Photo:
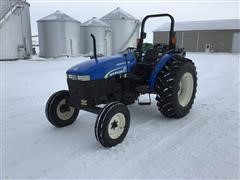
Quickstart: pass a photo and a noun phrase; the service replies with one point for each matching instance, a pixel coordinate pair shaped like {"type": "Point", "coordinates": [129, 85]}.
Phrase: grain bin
{"type": "Point", "coordinates": [15, 30]}
{"type": "Point", "coordinates": [125, 29]}
{"type": "Point", "coordinates": [5, 5]}
{"type": "Point", "coordinates": [102, 33]}
{"type": "Point", "coordinates": [59, 35]}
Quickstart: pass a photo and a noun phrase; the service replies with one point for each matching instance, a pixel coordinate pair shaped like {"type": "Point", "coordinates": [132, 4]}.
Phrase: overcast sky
{"type": "Point", "coordinates": [188, 10]}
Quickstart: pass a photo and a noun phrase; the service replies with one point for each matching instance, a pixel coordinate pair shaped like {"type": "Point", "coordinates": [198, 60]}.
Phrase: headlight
{"type": "Point", "coordinates": [72, 77]}
{"type": "Point", "coordinates": [80, 78]}
{"type": "Point", "coordinates": [83, 78]}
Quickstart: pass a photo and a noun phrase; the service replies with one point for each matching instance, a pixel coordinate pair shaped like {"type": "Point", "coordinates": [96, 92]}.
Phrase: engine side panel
{"type": "Point", "coordinates": [105, 67]}
{"type": "Point", "coordinates": [105, 80]}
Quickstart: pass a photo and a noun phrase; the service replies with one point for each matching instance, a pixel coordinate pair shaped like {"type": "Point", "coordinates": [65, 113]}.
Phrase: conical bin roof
{"type": "Point", "coordinates": [118, 14]}
{"type": "Point", "coordinates": [95, 22]}
{"type": "Point", "coordinates": [58, 16]}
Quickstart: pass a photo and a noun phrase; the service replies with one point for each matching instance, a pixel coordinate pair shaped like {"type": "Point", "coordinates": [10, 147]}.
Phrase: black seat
{"type": "Point", "coordinates": [150, 56]}
{"type": "Point", "coordinates": [144, 68]}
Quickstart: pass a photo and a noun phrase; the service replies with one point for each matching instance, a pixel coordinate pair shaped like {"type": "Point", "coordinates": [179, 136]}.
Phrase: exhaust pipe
{"type": "Point", "coordinates": [94, 47]}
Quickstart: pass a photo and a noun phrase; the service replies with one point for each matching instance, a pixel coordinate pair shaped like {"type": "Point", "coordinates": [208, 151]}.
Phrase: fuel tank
{"type": "Point", "coordinates": [103, 68]}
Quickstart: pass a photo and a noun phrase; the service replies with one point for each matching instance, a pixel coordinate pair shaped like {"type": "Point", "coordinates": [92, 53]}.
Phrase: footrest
{"type": "Point", "coordinates": [142, 89]}
{"type": "Point", "coordinates": [145, 103]}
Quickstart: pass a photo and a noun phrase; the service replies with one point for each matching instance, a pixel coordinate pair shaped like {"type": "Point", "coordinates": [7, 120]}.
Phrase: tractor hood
{"type": "Point", "coordinates": [105, 67]}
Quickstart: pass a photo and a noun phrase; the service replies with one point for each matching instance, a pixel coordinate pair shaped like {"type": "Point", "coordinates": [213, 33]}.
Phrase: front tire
{"type": "Point", "coordinates": [112, 124]}
{"type": "Point", "coordinates": [58, 112]}
{"type": "Point", "coordinates": [176, 87]}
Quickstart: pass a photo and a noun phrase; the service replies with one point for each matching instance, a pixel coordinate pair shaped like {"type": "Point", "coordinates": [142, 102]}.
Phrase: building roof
{"type": "Point", "coordinates": [118, 13]}
{"type": "Point", "coordinates": [58, 16]}
{"type": "Point", "coordinates": [228, 24]}
{"type": "Point", "coordinates": [95, 22]}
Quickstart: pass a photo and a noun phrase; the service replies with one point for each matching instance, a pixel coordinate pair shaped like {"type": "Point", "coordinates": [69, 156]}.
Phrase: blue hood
{"type": "Point", "coordinates": [105, 67]}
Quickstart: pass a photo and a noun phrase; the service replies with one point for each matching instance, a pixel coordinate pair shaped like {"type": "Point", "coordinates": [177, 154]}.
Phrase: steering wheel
{"type": "Point", "coordinates": [131, 49]}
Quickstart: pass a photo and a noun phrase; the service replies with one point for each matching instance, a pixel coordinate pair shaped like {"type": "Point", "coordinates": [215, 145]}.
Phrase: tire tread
{"type": "Point", "coordinates": [164, 87]}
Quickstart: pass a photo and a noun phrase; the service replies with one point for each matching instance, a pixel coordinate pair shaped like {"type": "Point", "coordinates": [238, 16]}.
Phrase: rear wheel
{"type": "Point", "coordinates": [59, 113]}
{"type": "Point", "coordinates": [112, 124]}
{"type": "Point", "coordinates": [176, 88]}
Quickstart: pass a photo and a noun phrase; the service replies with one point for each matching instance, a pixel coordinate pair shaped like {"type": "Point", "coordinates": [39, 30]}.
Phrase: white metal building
{"type": "Point", "coordinates": [15, 30]}
{"type": "Point", "coordinates": [204, 36]}
{"type": "Point", "coordinates": [102, 33]}
{"type": "Point", "coordinates": [125, 29]}
{"type": "Point", "coordinates": [59, 35]}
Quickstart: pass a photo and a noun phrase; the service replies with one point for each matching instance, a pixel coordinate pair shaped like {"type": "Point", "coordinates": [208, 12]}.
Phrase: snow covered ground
{"type": "Point", "coordinates": [204, 144]}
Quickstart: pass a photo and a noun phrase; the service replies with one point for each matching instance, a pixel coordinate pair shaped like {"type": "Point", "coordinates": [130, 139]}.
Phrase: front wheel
{"type": "Point", "coordinates": [59, 113]}
{"type": "Point", "coordinates": [112, 124]}
{"type": "Point", "coordinates": [176, 87]}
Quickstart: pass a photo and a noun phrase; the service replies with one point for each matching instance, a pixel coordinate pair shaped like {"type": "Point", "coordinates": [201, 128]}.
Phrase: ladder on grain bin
{"type": "Point", "coordinates": [9, 12]}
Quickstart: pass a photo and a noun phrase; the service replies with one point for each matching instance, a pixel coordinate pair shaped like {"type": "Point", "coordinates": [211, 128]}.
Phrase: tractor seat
{"type": "Point", "coordinates": [144, 68]}
{"type": "Point", "coordinates": [150, 56]}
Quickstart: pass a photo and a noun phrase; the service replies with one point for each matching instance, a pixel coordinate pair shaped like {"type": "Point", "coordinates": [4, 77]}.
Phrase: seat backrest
{"type": "Point", "coordinates": [151, 55]}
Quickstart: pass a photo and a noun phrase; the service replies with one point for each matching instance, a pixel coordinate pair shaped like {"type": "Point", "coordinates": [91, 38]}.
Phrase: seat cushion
{"type": "Point", "coordinates": [150, 56]}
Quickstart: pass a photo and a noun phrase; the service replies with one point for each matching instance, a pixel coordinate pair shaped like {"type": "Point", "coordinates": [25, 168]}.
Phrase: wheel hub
{"type": "Point", "coordinates": [64, 111]}
{"type": "Point", "coordinates": [180, 89]}
{"type": "Point", "coordinates": [116, 125]}
{"type": "Point", "coordinates": [185, 90]}
{"type": "Point", "coordinates": [64, 108]}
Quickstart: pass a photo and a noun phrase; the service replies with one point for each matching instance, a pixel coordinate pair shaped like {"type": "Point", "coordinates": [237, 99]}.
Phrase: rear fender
{"type": "Point", "coordinates": [163, 60]}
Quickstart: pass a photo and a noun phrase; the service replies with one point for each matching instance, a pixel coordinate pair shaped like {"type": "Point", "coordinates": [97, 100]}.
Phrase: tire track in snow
{"type": "Point", "coordinates": [122, 158]}
{"type": "Point", "coordinates": [136, 165]}
{"type": "Point", "coordinates": [205, 138]}
{"type": "Point", "coordinates": [96, 155]}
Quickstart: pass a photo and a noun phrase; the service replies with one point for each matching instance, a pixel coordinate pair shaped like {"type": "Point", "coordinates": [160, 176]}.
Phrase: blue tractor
{"type": "Point", "coordinates": [119, 80]}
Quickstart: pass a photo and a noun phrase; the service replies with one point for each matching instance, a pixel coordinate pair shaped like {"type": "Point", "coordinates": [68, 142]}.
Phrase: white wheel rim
{"type": "Point", "coordinates": [116, 125]}
{"type": "Point", "coordinates": [185, 89]}
{"type": "Point", "coordinates": [64, 115]}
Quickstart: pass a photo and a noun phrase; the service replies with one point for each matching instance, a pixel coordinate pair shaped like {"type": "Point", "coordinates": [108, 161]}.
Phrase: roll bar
{"type": "Point", "coordinates": [144, 34]}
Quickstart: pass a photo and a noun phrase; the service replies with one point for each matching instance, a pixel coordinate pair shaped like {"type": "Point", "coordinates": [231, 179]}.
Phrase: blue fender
{"type": "Point", "coordinates": [162, 61]}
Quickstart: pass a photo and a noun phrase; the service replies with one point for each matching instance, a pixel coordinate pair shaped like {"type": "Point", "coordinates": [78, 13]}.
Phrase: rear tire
{"type": "Point", "coordinates": [176, 87]}
{"type": "Point", "coordinates": [57, 110]}
{"type": "Point", "coordinates": [112, 124]}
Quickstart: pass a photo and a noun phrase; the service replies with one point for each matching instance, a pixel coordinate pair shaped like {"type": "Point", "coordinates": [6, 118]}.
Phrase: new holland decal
{"type": "Point", "coordinates": [119, 70]}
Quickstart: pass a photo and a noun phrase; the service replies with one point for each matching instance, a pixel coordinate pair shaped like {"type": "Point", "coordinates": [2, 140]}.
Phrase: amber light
{"type": "Point", "coordinates": [174, 40]}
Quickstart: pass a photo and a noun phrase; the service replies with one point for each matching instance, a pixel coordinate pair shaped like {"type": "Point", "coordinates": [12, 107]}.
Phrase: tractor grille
{"type": "Point", "coordinates": [89, 93]}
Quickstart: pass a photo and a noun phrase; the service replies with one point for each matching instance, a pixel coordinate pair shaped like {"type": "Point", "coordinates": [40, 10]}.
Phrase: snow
{"type": "Point", "coordinates": [204, 144]}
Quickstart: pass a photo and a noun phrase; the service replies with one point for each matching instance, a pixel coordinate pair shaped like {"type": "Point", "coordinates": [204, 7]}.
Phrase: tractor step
{"type": "Point", "coordinates": [146, 102]}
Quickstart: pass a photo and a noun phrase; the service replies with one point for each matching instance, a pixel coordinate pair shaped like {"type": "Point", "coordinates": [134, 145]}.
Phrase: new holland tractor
{"type": "Point", "coordinates": [105, 86]}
